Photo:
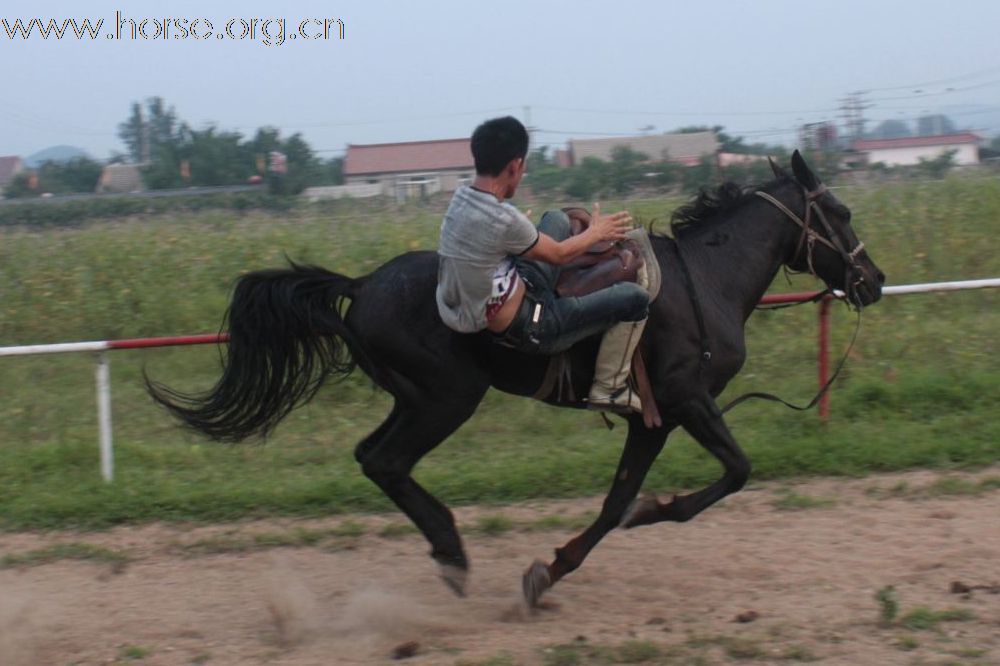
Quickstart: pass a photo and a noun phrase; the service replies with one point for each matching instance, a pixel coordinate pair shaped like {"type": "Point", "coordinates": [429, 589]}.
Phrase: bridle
{"type": "Point", "coordinates": [833, 240]}
{"type": "Point", "coordinates": [808, 241]}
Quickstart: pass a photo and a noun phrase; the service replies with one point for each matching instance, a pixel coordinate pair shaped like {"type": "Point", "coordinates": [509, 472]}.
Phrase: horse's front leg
{"type": "Point", "coordinates": [641, 448]}
{"type": "Point", "coordinates": [703, 421]}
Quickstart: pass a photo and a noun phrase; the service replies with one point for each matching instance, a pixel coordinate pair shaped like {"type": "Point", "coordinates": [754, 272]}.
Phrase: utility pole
{"type": "Point", "coordinates": [527, 124]}
{"type": "Point", "coordinates": [144, 141]}
{"type": "Point", "coordinates": [852, 110]}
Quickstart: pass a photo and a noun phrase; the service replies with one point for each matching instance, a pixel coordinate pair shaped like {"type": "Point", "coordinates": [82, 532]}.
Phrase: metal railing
{"type": "Point", "coordinates": [103, 372]}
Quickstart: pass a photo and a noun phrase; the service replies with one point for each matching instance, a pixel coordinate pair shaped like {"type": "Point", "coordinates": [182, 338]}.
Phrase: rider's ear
{"type": "Point", "coordinates": [777, 170]}
{"type": "Point", "coordinates": [803, 173]}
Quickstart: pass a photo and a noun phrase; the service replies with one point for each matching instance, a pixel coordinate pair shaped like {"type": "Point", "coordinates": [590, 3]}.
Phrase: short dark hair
{"type": "Point", "coordinates": [496, 142]}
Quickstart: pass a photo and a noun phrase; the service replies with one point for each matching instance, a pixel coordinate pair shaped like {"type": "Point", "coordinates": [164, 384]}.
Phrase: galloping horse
{"type": "Point", "coordinates": [292, 329]}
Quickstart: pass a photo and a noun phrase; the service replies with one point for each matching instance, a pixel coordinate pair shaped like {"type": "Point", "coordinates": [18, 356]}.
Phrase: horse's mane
{"type": "Point", "coordinates": [711, 202]}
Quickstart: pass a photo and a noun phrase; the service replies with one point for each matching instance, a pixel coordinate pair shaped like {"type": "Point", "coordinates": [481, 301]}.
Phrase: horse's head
{"type": "Point", "coordinates": [828, 247]}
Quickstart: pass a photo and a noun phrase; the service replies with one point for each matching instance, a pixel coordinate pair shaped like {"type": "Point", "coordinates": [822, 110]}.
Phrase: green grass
{"type": "Point", "coordinates": [494, 525]}
{"type": "Point", "coordinates": [924, 619]}
{"type": "Point", "coordinates": [498, 660]}
{"type": "Point", "coordinates": [946, 486]}
{"type": "Point", "coordinates": [118, 559]}
{"type": "Point", "coordinates": [582, 652]}
{"type": "Point", "coordinates": [888, 604]}
{"type": "Point", "coordinates": [235, 542]}
{"type": "Point", "coordinates": [133, 652]}
{"type": "Point", "coordinates": [918, 391]}
{"type": "Point", "coordinates": [791, 501]}
{"type": "Point", "coordinates": [735, 647]}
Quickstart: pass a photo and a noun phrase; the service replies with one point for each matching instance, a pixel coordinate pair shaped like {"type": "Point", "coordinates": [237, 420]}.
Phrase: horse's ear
{"type": "Point", "coordinates": [777, 170]}
{"type": "Point", "coordinates": [803, 173]}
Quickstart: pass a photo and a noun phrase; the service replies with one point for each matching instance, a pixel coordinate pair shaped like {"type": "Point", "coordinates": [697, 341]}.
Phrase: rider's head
{"type": "Point", "coordinates": [499, 147]}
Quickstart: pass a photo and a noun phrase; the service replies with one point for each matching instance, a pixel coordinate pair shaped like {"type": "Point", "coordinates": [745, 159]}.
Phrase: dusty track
{"type": "Point", "coordinates": [809, 575]}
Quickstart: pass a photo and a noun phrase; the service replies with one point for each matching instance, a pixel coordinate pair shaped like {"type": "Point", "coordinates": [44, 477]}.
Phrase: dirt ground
{"type": "Point", "coordinates": [800, 564]}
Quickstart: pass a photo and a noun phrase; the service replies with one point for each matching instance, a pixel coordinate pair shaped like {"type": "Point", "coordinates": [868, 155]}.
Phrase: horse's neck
{"type": "Point", "coordinates": [738, 256]}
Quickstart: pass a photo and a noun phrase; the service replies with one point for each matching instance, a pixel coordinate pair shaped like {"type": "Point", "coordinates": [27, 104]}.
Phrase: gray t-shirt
{"type": "Point", "coordinates": [478, 237]}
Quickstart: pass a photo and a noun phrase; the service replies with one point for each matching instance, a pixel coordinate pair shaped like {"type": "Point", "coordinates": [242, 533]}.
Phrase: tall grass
{"type": "Point", "coordinates": [920, 388]}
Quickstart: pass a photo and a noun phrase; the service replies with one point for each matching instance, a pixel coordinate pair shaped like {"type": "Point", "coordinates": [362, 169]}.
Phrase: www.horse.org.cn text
{"type": "Point", "coordinates": [273, 31]}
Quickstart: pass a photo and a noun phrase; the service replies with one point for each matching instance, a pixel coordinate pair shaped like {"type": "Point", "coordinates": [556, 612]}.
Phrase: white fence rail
{"type": "Point", "coordinates": [103, 373]}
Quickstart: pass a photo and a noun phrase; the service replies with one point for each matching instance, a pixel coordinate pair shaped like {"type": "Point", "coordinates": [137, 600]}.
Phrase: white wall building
{"type": "Point", "coordinates": [907, 151]}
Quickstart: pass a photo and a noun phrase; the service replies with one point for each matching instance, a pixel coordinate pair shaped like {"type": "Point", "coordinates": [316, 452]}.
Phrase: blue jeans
{"type": "Point", "coordinates": [565, 321]}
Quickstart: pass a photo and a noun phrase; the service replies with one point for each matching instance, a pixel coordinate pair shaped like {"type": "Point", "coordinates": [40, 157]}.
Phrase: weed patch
{"type": "Point", "coordinates": [118, 559]}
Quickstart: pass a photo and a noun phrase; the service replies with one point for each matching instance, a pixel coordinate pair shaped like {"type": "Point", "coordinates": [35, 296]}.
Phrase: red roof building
{"type": "Point", "coordinates": [411, 168]}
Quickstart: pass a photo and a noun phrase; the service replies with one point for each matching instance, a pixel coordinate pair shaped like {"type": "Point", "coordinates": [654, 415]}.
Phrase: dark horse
{"type": "Point", "coordinates": [291, 329]}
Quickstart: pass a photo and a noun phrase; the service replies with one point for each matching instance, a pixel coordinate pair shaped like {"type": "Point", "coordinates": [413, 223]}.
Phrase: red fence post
{"type": "Point", "coordinates": [824, 356]}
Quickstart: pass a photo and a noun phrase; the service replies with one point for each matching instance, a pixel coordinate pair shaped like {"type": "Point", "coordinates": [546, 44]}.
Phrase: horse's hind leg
{"type": "Point", "coordinates": [641, 448]}
{"type": "Point", "coordinates": [366, 444]}
{"type": "Point", "coordinates": [388, 456]}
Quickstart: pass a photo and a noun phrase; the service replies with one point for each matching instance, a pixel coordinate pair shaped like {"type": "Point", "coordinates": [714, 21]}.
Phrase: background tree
{"type": "Point", "coordinates": [587, 179]}
{"type": "Point", "coordinates": [333, 171]}
{"type": "Point", "coordinates": [132, 133]}
{"type": "Point", "coordinates": [79, 174]}
{"type": "Point", "coordinates": [543, 175]}
{"type": "Point", "coordinates": [939, 166]}
{"type": "Point", "coordinates": [175, 155]}
{"type": "Point", "coordinates": [703, 175]}
{"type": "Point", "coordinates": [148, 131]}
{"type": "Point", "coordinates": [626, 170]}
{"type": "Point", "coordinates": [303, 166]}
{"type": "Point", "coordinates": [935, 124]}
{"type": "Point", "coordinates": [891, 129]}
{"type": "Point", "coordinates": [217, 158]}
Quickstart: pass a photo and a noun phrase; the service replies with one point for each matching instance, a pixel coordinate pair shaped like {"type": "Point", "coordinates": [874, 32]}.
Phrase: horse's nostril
{"type": "Point", "coordinates": [881, 277]}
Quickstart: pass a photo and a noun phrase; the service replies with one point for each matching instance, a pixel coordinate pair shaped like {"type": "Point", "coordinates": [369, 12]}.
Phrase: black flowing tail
{"type": "Point", "coordinates": [286, 338]}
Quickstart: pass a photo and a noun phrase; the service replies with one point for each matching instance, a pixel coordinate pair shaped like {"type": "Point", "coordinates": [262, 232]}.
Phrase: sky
{"type": "Point", "coordinates": [407, 71]}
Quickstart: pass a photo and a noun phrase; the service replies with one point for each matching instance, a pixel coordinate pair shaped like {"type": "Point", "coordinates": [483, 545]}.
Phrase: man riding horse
{"type": "Point", "coordinates": [498, 272]}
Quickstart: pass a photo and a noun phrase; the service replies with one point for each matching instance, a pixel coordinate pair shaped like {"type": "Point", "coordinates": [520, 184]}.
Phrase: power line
{"type": "Point", "coordinates": [947, 91]}
{"type": "Point", "coordinates": [384, 121]}
{"type": "Point", "coordinates": [648, 112]}
{"type": "Point", "coordinates": [961, 77]}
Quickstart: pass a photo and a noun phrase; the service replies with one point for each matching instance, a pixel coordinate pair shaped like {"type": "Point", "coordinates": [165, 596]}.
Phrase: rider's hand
{"type": "Point", "coordinates": [610, 227]}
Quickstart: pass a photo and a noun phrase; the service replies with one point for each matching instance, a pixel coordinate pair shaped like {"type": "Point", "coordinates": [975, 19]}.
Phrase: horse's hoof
{"type": "Point", "coordinates": [455, 578]}
{"type": "Point", "coordinates": [536, 580]}
{"type": "Point", "coordinates": [640, 509]}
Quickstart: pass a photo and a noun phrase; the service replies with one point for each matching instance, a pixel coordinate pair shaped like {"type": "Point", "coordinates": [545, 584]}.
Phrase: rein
{"type": "Point", "coordinates": [812, 403]}
{"type": "Point", "coordinates": [808, 239]}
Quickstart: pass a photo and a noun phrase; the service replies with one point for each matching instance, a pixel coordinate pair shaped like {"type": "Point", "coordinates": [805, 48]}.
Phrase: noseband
{"type": "Point", "coordinates": [810, 237]}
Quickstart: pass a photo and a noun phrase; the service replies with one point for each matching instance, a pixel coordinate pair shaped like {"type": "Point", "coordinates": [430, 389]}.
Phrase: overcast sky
{"type": "Point", "coordinates": [430, 70]}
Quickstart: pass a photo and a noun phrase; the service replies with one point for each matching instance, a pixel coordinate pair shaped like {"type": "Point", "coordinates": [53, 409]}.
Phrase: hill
{"type": "Point", "coordinates": [53, 154]}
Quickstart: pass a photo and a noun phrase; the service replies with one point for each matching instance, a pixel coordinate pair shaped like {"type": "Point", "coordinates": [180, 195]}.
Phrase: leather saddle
{"type": "Point", "coordinates": [602, 265]}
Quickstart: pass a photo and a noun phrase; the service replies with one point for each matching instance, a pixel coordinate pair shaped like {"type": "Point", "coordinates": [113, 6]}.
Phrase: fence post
{"type": "Point", "coordinates": [824, 356]}
{"type": "Point", "coordinates": [103, 375]}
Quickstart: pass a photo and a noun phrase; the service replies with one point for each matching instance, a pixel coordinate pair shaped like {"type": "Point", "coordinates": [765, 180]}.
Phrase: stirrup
{"type": "Point", "coordinates": [621, 401]}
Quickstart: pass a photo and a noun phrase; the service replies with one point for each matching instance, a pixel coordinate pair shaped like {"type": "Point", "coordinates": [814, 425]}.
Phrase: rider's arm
{"type": "Point", "coordinates": [602, 228]}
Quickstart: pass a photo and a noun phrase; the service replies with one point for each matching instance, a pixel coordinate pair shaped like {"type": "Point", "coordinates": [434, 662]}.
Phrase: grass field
{"type": "Point", "coordinates": [922, 386]}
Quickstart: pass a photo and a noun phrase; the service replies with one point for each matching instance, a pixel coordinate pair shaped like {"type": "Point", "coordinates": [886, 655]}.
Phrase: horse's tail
{"type": "Point", "coordinates": [286, 338]}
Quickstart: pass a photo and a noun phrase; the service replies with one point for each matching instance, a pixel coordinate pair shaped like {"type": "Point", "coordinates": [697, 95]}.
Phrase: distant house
{"type": "Point", "coordinates": [10, 166]}
{"type": "Point", "coordinates": [909, 150]}
{"type": "Point", "coordinates": [680, 148]}
{"type": "Point", "coordinates": [411, 169]}
{"type": "Point", "coordinates": [120, 178]}
{"type": "Point", "coordinates": [738, 159]}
